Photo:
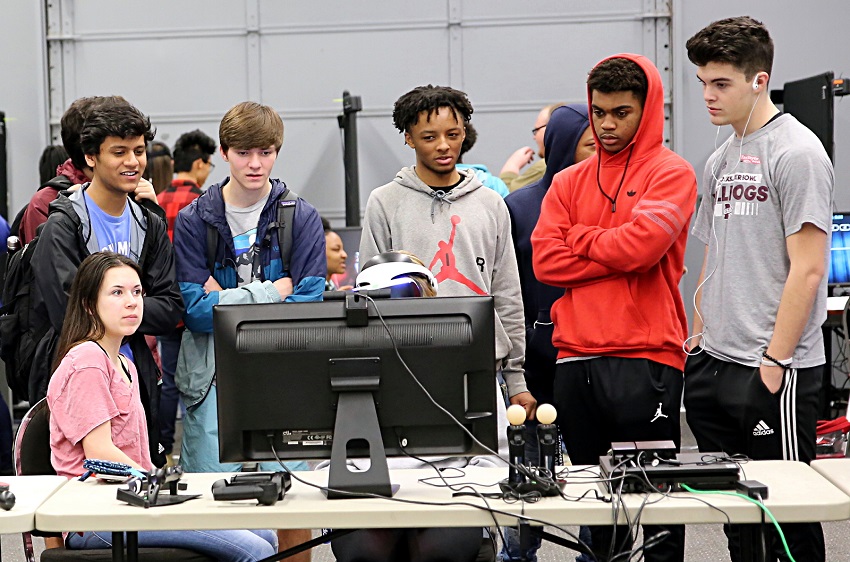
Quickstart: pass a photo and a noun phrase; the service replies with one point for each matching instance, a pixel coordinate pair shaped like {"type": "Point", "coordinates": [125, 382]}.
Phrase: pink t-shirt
{"type": "Point", "coordinates": [86, 391]}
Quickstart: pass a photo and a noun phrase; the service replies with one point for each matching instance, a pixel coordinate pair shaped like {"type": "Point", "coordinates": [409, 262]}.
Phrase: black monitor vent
{"type": "Point", "coordinates": [274, 336]}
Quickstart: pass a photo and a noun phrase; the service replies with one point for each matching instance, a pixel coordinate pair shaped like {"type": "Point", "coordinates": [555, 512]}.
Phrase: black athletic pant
{"type": "Point", "coordinates": [610, 399]}
{"type": "Point", "coordinates": [730, 410]}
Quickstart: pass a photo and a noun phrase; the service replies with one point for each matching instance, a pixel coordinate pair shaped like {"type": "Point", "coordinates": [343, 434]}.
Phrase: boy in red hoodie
{"type": "Point", "coordinates": [612, 233]}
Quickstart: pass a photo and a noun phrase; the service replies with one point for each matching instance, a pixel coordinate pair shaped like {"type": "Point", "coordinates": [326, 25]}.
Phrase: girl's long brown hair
{"type": "Point", "coordinates": [82, 322]}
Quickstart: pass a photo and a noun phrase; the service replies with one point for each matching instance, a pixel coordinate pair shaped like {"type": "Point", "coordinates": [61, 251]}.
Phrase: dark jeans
{"type": "Point", "coordinates": [169, 399]}
{"type": "Point", "coordinates": [511, 551]}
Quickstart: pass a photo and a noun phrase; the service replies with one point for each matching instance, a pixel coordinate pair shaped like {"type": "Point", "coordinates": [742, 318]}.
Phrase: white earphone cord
{"type": "Point", "coordinates": [713, 231]}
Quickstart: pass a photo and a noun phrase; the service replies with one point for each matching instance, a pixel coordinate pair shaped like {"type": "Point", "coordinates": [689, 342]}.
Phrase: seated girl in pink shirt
{"type": "Point", "coordinates": [95, 409]}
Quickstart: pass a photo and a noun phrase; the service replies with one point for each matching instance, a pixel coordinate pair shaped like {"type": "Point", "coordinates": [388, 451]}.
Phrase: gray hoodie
{"type": "Point", "coordinates": [464, 238]}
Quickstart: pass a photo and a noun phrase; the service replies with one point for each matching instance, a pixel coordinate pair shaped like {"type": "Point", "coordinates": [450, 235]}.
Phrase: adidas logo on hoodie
{"type": "Point", "coordinates": [762, 428]}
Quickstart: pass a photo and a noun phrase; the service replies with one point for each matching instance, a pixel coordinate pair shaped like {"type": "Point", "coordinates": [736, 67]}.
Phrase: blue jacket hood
{"type": "Point", "coordinates": [565, 127]}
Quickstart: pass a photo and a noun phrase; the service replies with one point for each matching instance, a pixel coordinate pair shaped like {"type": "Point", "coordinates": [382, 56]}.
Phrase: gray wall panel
{"type": "Point", "coordinates": [157, 16]}
{"type": "Point", "coordinates": [186, 90]}
{"type": "Point", "coordinates": [23, 96]}
{"type": "Point", "coordinates": [307, 72]}
{"type": "Point", "coordinates": [187, 62]}
{"type": "Point", "coordinates": [487, 10]}
{"type": "Point", "coordinates": [509, 84]}
{"type": "Point", "coordinates": [311, 159]}
{"type": "Point", "coordinates": [345, 13]}
{"type": "Point", "coordinates": [299, 58]}
{"type": "Point", "coordinates": [570, 52]}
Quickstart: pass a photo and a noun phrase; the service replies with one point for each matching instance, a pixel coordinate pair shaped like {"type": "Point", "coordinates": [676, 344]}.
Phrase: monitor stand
{"type": "Point", "coordinates": [357, 419]}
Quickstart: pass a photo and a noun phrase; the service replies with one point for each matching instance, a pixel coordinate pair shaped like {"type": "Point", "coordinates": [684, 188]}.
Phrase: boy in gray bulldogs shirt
{"type": "Point", "coordinates": [753, 378]}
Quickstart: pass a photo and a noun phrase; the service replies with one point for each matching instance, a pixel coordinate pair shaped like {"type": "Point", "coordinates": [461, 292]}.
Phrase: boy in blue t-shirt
{"type": "Point", "coordinates": [101, 215]}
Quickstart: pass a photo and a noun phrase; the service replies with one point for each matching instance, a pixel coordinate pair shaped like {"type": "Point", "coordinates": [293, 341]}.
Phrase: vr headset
{"type": "Point", "coordinates": [397, 272]}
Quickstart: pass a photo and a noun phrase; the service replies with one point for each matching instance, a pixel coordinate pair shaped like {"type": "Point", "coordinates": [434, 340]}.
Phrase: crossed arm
{"type": "Point", "coordinates": [570, 254]}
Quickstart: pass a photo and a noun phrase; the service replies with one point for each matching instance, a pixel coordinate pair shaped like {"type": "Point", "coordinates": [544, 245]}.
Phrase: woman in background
{"type": "Point", "coordinates": [52, 157]}
{"type": "Point", "coordinates": [160, 168]}
{"type": "Point", "coordinates": [335, 255]}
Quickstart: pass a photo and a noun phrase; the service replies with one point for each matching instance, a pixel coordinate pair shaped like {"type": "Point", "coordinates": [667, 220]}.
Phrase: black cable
{"type": "Point", "coordinates": [633, 526]}
{"type": "Point", "coordinates": [419, 384]}
{"type": "Point", "coordinates": [442, 476]}
{"type": "Point", "coordinates": [616, 502]}
{"type": "Point", "coordinates": [486, 507]}
{"type": "Point", "coordinates": [478, 494]}
{"type": "Point", "coordinates": [658, 537]}
{"type": "Point", "coordinates": [616, 498]}
{"type": "Point", "coordinates": [616, 495]}
{"type": "Point", "coordinates": [520, 468]}
{"type": "Point", "coordinates": [763, 538]}
{"type": "Point", "coordinates": [532, 473]}
{"type": "Point", "coordinates": [648, 542]}
{"type": "Point", "coordinates": [632, 522]}
{"type": "Point", "coordinates": [508, 497]}
{"type": "Point", "coordinates": [707, 459]}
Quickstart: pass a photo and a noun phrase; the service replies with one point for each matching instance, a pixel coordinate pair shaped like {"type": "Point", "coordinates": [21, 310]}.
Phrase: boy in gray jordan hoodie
{"type": "Point", "coordinates": [459, 228]}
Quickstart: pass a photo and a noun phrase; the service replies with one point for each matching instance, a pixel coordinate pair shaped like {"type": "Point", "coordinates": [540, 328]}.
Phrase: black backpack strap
{"type": "Point", "coordinates": [15, 227]}
{"type": "Point", "coordinates": [285, 217]}
{"type": "Point", "coordinates": [59, 183]}
{"type": "Point", "coordinates": [212, 242]}
{"type": "Point", "coordinates": [283, 226]}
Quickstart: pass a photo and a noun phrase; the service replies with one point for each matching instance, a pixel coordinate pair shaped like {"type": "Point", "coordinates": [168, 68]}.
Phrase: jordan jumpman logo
{"type": "Point", "coordinates": [446, 255]}
{"type": "Point", "coordinates": [659, 414]}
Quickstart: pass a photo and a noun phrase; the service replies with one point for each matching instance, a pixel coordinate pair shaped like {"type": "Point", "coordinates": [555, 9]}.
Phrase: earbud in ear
{"type": "Point", "coordinates": [756, 83]}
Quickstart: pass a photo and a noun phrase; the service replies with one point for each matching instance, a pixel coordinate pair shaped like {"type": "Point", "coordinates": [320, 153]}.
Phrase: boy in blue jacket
{"type": "Point", "coordinates": [248, 266]}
